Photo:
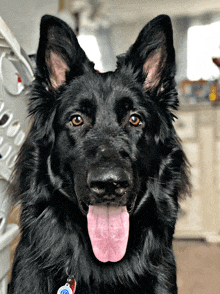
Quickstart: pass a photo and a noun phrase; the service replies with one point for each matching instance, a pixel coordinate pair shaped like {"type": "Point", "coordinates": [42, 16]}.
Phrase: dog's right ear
{"type": "Point", "coordinates": [59, 57]}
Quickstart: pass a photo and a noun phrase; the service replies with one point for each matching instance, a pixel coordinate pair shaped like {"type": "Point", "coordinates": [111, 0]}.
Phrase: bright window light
{"type": "Point", "coordinates": [91, 48]}
{"type": "Point", "coordinates": [203, 44]}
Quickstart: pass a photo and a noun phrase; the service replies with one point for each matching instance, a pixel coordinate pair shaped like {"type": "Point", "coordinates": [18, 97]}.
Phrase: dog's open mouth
{"type": "Point", "coordinates": [108, 228]}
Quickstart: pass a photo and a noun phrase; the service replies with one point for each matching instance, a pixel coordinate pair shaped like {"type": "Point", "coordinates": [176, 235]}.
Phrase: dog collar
{"type": "Point", "coordinates": [69, 287]}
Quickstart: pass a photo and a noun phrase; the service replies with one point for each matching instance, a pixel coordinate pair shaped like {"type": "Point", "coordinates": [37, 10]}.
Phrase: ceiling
{"type": "Point", "coordinates": [129, 10]}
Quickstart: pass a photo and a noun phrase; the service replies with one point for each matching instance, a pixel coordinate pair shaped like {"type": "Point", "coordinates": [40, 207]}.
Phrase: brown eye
{"type": "Point", "coordinates": [77, 120]}
{"type": "Point", "coordinates": [135, 120]}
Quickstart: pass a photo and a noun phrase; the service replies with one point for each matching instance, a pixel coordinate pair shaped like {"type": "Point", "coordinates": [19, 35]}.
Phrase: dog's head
{"type": "Point", "coordinates": [106, 141]}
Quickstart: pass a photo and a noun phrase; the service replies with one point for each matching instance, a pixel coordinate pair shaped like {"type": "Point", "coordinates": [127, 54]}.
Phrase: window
{"type": "Point", "coordinates": [203, 43]}
{"type": "Point", "coordinates": [91, 48]}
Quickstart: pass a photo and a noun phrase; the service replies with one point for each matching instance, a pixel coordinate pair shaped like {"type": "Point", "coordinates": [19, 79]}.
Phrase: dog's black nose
{"type": "Point", "coordinates": [109, 182]}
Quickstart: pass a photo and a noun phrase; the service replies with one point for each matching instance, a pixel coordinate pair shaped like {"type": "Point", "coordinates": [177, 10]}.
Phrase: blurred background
{"type": "Point", "coordinates": [106, 29]}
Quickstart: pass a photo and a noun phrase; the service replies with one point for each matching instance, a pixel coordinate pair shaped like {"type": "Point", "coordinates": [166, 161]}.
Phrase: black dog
{"type": "Point", "coordinates": [102, 169]}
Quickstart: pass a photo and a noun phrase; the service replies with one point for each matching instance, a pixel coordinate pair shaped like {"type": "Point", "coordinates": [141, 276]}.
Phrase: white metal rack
{"type": "Point", "coordinates": [16, 75]}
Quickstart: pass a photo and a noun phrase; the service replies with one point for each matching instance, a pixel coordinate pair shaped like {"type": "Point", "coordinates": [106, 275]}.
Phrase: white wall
{"type": "Point", "coordinates": [23, 19]}
{"type": "Point", "coordinates": [123, 35]}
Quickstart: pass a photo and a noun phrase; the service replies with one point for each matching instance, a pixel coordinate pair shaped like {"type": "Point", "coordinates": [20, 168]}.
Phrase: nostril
{"type": "Point", "coordinates": [121, 187]}
{"type": "Point", "coordinates": [98, 187]}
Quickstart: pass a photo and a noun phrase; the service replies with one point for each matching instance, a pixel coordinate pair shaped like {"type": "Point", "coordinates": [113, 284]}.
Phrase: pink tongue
{"type": "Point", "coordinates": [108, 228]}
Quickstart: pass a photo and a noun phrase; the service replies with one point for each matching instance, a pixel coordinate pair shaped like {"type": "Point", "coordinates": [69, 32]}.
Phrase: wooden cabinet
{"type": "Point", "coordinates": [199, 129]}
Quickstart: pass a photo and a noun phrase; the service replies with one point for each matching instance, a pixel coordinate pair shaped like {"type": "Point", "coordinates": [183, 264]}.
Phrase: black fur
{"type": "Point", "coordinates": [59, 161]}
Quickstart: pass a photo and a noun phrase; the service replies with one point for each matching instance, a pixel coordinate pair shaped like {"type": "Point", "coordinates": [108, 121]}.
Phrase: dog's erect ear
{"type": "Point", "coordinates": [59, 55]}
{"type": "Point", "coordinates": [152, 55]}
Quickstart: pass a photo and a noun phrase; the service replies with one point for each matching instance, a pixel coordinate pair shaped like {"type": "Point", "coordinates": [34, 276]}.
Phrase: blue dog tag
{"type": "Point", "coordinates": [65, 290]}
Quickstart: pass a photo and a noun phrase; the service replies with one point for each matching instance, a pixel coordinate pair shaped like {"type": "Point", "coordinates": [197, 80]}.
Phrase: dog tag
{"type": "Point", "coordinates": [65, 290]}
{"type": "Point", "coordinates": [68, 288]}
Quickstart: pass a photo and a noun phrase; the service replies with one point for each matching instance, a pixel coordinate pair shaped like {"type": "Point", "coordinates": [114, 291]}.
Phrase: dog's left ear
{"type": "Point", "coordinates": [152, 55]}
{"type": "Point", "coordinates": [59, 55]}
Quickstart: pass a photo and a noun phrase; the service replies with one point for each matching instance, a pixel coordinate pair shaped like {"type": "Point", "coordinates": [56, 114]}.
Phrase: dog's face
{"type": "Point", "coordinates": [103, 134]}
{"type": "Point", "coordinates": [107, 137]}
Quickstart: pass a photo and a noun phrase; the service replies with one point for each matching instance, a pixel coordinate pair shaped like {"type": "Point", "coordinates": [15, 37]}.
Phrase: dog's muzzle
{"type": "Point", "coordinates": [108, 217]}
